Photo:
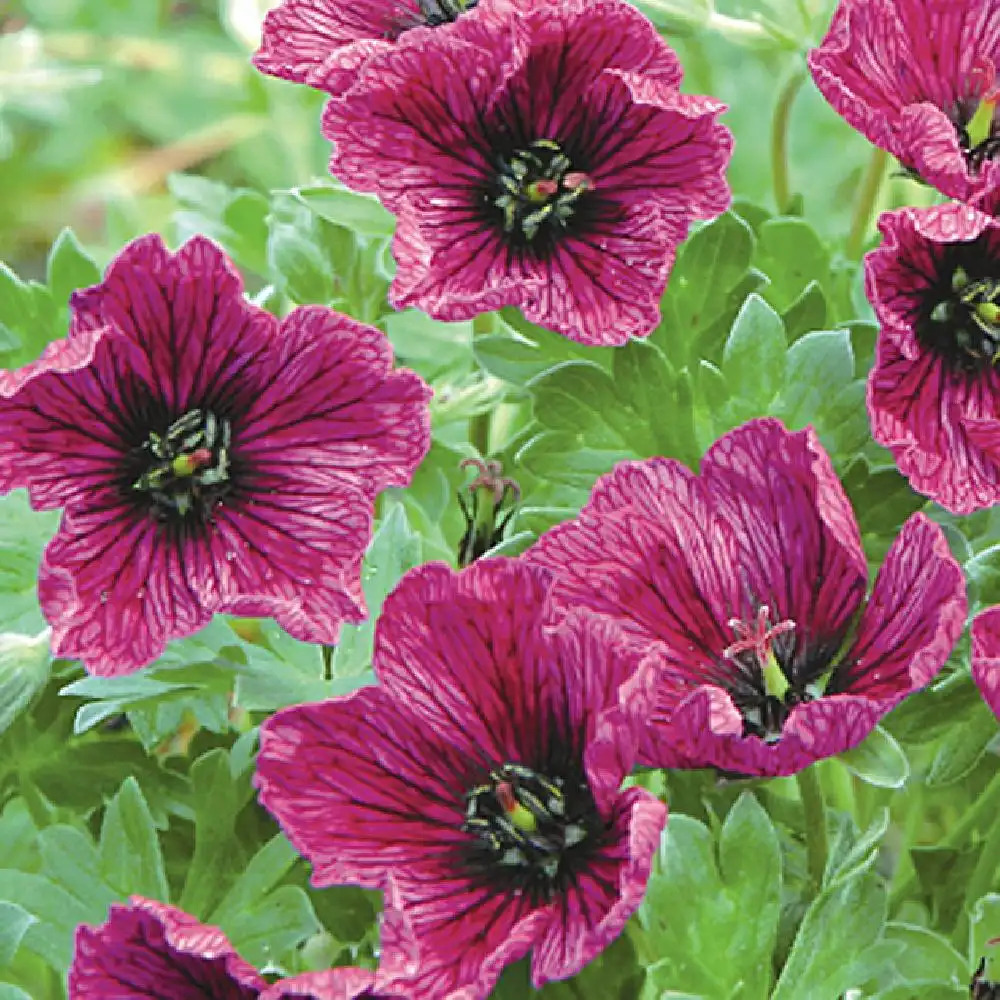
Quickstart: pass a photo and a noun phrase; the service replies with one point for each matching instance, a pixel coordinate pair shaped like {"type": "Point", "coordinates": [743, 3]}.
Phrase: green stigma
{"type": "Point", "coordinates": [184, 465]}
{"type": "Point", "coordinates": [775, 682]}
{"type": "Point", "coordinates": [523, 818]}
{"type": "Point", "coordinates": [980, 125]}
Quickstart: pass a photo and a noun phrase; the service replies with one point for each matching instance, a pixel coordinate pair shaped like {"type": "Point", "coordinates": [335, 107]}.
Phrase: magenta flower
{"type": "Point", "coordinates": [314, 41]}
{"type": "Point", "coordinates": [556, 168]}
{"type": "Point", "coordinates": [209, 458]}
{"type": "Point", "coordinates": [919, 79]}
{"type": "Point", "coordinates": [985, 633]}
{"type": "Point", "coordinates": [151, 950]}
{"type": "Point", "coordinates": [749, 581]}
{"type": "Point", "coordinates": [482, 777]}
{"type": "Point", "coordinates": [934, 393]}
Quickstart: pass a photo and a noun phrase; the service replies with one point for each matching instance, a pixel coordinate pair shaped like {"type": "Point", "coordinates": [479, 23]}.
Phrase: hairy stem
{"type": "Point", "coordinates": [864, 204]}
{"type": "Point", "coordinates": [779, 138]}
{"type": "Point", "coordinates": [815, 816]}
{"type": "Point", "coordinates": [480, 424]}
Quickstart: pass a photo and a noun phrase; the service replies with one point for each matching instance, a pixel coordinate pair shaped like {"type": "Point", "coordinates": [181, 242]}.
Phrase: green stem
{"type": "Point", "coordinates": [779, 139]}
{"type": "Point", "coordinates": [479, 425]}
{"type": "Point", "coordinates": [864, 204]}
{"type": "Point", "coordinates": [986, 804]}
{"type": "Point", "coordinates": [815, 816]}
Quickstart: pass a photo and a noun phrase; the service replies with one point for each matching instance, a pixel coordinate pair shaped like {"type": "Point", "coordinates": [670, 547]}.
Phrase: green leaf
{"type": "Point", "coordinates": [879, 760]}
{"type": "Point", "coordinates": [429, 346]}
{"type": "Point", "coordinates": [694, 902]}
{"type": "Point", "coordinates": [9, 992]}
{"type": "Point", "coordinates": [839, 942]}
{"type": "Point", "coordinates": [14, 923]}
{"type": "Point", "coordinates": [582, 398]}
{"type": "Point", "coordinates": [819, 365]}
{"type": "Point", "coordinates": [23, 535]}
{"type": "Point", "coordinates": [193, 678]}
{"type": "Point", "coordinates": [661, 398]}
{"type": "Point", "coordinates": [394, 550]}
{"type": "Point", "coordinates": [791, 254]}
{"type": "Point", "coordinates": [851, 854]}
{"type": "Point", "coordinates": [217, 797]}
{"type": "Point", "coordinates": [70, 267]}
{"type": "Point", "coordinates": [263, 872]}
{"type": "Point", "coordinates": [807, 313]}
{"type": "Point", "coordinates": [963, 746]}
{"type": "Point", "coordinates": [711, 265]}
{"type": "Point", "coordinates": [25, 665]}
{"type": "Point", "coordinates": [296, 260]}
{"type": "Point", "coordinates": [361, 213]}
{"type": "Point", "coordinates": [131, 860]}
{"type": "Point", "coordinates": [234, 217]}
{"type": "Point", "coordinates": [29, 319]}
{"type": "Point", "coordinates": [558, 457]}
{"type": "Point", "coordinates": [927, 958]}
{"type": "Point", "coordinates": [272, 926]}
{"type": "Point", "coordinates": [753, 361]}
{"type": "Point", "coordinates": [983, 573]}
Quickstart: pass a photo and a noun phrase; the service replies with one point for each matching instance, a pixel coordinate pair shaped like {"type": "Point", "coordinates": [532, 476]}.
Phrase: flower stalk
{"type": "Point", "coordinates": [815, 826]}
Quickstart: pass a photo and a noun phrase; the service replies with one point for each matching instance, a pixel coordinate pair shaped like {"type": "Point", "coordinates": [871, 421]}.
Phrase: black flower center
{"type": "Point", "coordinates": [959, 319]}
{"type": "Point", "coordinates": [186, 470]}
{"type": "Point", "coordinates": [768, 681]}
{"type": "Point", "coordinates": [536, 190]}
{"type": "Point", "coordinates": [532, 830]}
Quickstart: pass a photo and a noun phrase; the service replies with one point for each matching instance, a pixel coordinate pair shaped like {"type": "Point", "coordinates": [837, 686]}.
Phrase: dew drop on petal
{"type": "Point", "coordinates": [104, 597]}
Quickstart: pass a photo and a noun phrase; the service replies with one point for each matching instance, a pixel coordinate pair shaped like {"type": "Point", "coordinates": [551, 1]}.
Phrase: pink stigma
{"type": "Point", "coordinates": [577, 179]}
{"type": "Point", "coordinates": [757, 637]}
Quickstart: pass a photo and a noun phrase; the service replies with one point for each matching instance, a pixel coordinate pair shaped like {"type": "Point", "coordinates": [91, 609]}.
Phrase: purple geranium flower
{"type": "Point", "coordinates": [304, 41]}
{"type": "Point", "coordinates": [934, 393]}
{"type": "Point", "coordinates": [483, 777]}
{"type": "Point", "coordinates": [148, 949]}
{"type": "Point", "coordinates": [749, 580]}
{"type": "Point", "coordinates": [209, 457]}
{"type": "Point", "coordinates": [919, 79]}
{"type": "Point", "coordinates": [538, 156]}
{"type": "Point", "coordinates": [985, 632]}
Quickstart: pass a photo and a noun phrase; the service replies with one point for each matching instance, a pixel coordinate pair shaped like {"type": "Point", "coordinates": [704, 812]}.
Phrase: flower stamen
{"type": "Point", "coordinates": [188, 467]}
{"type": "Point", "coordinates": [523, 820]}
{"type": "Point", "coordinates": [966, 323]}
{"type": "Point", "coordinates": [537, 187]}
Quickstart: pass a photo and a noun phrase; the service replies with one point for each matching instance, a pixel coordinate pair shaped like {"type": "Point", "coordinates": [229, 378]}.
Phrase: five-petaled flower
{"type": "Point", "coordinates": [535, 155]}
{"type": "Point", "coordinates": [919, 78]}
{"type": "Point", "coordinates": [208, 458]}
{"type": "Point", "coordinates": [323, 42]}
{"type": "Point", "coordinates": [934, 392]}
{"type": "Point", "coordinates": [147, 949]}
{"type": "Point", "coordinates": [749, 581]}
{"type": "Point", "coordinates": [483, 776]}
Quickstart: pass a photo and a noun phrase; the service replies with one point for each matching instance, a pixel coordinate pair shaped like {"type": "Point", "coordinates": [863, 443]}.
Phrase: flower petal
{"type": "Point", "coordinates": [149, 949]}
{"type": "Point", "coordinates": [362, 789]}
{"type": "Point", "coordinates": [986, 656]}
{"type": "Point", "coordinates": [912, 620]}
